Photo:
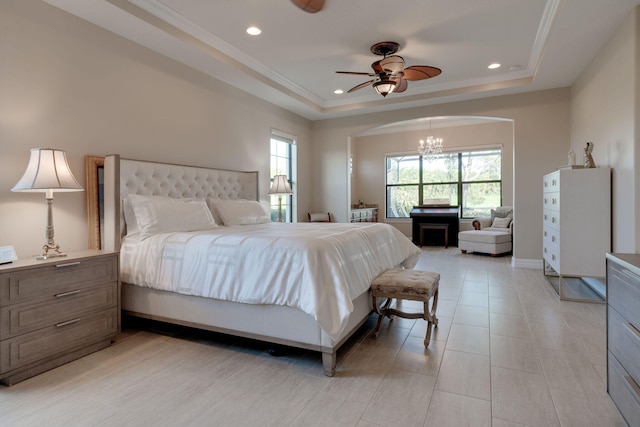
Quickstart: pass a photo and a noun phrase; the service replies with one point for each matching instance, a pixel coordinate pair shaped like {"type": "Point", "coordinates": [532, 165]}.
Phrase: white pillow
{"type": "Point", "coordinates": [129, 217]}
{"type": "Point", "coordinates": [240, 212]}
{"type": "Point", "coordinates": [501, 222]}
{"type": "Point", "coordinates": [156, 214]}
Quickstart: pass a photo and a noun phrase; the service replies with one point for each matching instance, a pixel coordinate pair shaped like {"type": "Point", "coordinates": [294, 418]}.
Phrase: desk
{"type": "Point", "coordinates": [435, 215]}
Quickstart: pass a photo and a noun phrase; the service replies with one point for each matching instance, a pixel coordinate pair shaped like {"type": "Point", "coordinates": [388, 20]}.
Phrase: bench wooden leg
{"type": "Point", "coordinates": [382, 312]}
{"type": "Point", "coordinates": [430, 317]}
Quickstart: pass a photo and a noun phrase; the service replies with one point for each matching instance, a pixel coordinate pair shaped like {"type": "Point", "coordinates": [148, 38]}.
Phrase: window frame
{"type": "Point", "coordinates": [459, 183]}
{"type": "Point", "coordinates": [289, 200]}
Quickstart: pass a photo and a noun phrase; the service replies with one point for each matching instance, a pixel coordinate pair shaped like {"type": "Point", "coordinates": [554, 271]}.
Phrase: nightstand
{"type": "Point", "coordinates": [55, 311]}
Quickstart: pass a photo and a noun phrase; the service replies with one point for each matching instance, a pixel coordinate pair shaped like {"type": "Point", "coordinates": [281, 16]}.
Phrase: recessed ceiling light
{"type": "Point", "coordinates": [338, 91]}
{"type": "Point", "coordinates": [494, 66]}
{"type": "Point", "coordinates": [254, 31]}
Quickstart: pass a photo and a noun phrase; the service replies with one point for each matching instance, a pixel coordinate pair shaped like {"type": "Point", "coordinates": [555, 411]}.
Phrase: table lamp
{"type": "Point", "coordinates": [280, 186]}
{"type": "Point", "coordinates": [48, 171]}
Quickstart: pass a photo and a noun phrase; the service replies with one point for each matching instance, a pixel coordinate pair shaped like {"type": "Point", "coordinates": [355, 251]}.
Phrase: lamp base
{"type": "Point", "coordinates": [55, 254]}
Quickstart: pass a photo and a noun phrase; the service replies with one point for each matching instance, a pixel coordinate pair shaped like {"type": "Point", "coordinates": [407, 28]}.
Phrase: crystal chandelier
{"type": "Point", "coordinates": [429, 148]}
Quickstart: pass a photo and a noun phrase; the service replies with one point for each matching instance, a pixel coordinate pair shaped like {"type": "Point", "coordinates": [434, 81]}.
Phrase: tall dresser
{"type": "Point", "coordinates": [577, 231]}
{"type": "Point", "coordinates": [623, 334]}
{"type": "Point", "coordinates": [55, 311]}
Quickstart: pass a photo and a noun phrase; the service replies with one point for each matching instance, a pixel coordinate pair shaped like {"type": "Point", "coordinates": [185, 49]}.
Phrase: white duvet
{"type": "Point", "coordinates": [317, 268]}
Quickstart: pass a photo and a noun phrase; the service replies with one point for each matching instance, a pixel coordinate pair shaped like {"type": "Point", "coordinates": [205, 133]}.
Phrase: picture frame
{"type": "Point", "coordinates": [94, 173]}
{"type": "Point", "coordinates": [7, 255]}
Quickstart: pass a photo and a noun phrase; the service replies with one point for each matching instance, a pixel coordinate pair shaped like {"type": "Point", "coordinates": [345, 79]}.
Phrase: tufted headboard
{"type": "Point", "coordinates": [126, 176]}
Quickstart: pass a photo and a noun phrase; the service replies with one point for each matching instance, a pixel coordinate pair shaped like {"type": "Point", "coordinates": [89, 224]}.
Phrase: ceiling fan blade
{"type": "Point", "coordinates": [356, 73]}
{"type": "Point", "coordinates": [311, 6]}
{"type": "Point", "coordinates": [377, 67]}
{"type": "Point", "coordinates": [420, 72]}
{"type": "Point", "coordinates": [360, 86]}
{"type": "Point", "coordinates": [392, 64]}
{"type": "Point", "coordinates": [401, 85]}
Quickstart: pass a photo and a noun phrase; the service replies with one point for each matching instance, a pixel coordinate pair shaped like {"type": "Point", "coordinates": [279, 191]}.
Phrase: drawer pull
{"type": "Point", "coordinates": [69, 264]}
{"type": "Point", "coordinates": [633, 385]}
{"type": "Point", "coordinates": [68, 322]}
{"type": "Point", "coordinates": [633, 330]}
{"type": "Point", "coordinates": [66, 294]}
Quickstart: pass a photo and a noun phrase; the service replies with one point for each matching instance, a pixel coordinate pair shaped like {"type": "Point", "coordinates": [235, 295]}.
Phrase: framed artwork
{"type": "Point", "coordinates": [94, 170]}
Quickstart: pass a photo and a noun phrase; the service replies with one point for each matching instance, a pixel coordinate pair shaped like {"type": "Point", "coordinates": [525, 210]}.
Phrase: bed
{"type": "Point", "coordinates": [303, 285]}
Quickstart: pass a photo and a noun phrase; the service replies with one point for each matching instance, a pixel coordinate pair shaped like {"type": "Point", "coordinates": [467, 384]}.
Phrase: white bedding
{"type": "Point", "coordinates": [317, 268]}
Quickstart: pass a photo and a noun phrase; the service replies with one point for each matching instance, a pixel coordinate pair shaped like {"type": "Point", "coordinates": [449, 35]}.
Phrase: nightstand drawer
{"type": "Point", "coordinates": [50, 280]}
{"type": "Point", "coordinates": [624, 391]}
{"type": "Point", "coordinates": [624, 343]}
{"type": "Point", "coordinates": [55, 340]}
{"type": "Point", "coordinates": [26, 317]}
{"type": "Point", "coordinates": [623, 292]}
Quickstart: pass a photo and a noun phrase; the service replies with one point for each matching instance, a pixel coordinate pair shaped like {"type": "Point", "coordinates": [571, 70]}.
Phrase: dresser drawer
{"type": "Point", "coordinates": [623, 292]}
{"type": "Point", "coordinates": [551, 200]}
{"type": "Point", "coordinates": [624, 392]}
{"type": "Point", "coordinates": [51, 280]}
{"type": "Point", "coordinates": [26, 317]}
{"type": "Point", "coordinates": [624, 343]}
{"type": "Point", "coordinates": [54, 340]}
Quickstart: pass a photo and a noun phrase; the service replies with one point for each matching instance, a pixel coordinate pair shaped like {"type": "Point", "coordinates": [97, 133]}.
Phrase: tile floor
{"type": "Point", "coordinates": [507, 352]}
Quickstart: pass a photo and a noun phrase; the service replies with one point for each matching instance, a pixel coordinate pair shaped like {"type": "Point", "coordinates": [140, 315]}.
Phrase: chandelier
{"type": "Point", "coordinates": [431, 147]}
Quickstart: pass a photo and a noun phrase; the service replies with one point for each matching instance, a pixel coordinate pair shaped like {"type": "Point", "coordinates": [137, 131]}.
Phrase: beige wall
{"type": "Point", "coordinates": [67, 84]}
{"type": "Point", "coordinates": [540, 138]}
{"type": "Point", "coordinates": [369, 152]}
{"type": "Point", "coordinates": [605, 110]}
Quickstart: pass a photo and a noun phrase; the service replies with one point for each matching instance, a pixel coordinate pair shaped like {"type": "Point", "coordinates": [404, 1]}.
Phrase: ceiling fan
{"type": "Point", "coordinates": [389, 72]}
{"type": "Point", "coordinates": [311, 6]}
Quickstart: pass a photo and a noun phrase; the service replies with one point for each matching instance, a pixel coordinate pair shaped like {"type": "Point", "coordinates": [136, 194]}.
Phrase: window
{"type": "Point", "coordinates": [283, 163]}
{"type": "Point", "coordinates": [471, 179]}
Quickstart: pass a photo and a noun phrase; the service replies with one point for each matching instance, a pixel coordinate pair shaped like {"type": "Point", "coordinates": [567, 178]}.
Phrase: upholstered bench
{"type": "Point", "coordinates": [412, 285]}
{"type": "Point", "coordinates": [485, 241]}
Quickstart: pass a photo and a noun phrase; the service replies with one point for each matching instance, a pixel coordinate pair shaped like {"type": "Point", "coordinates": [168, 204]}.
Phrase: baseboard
{"type": "Point", "coordinates": [526, 263]}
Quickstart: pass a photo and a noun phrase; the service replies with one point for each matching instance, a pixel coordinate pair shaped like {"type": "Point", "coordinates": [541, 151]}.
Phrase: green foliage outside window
{"type": "Point", "coordinates": [471, 180]}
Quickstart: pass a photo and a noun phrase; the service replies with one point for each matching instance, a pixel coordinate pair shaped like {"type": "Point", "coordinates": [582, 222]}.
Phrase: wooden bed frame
{"type": "Point", "coordinates": [275, 324]}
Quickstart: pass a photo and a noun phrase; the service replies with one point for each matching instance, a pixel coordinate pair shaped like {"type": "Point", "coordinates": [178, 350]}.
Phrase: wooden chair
{"type": "Point", "coordinates": [319, 217]}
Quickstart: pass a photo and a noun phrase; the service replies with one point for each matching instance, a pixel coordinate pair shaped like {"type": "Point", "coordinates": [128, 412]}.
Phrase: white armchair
{"type": "Point", "coordinates": [493, 235]}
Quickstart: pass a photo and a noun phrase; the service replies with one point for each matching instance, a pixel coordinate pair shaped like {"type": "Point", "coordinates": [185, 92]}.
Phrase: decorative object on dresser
{"type": "Point", "coordinates": [364, 213]}
{"type": "Point", "coordinates": [48, 172]}
{"type": "Point", "coordinates": [576, 230]}
{"type": "Point", "coordinates": [56, 311]}
{"type": "Point", "coordinates": [279, 187]}
{"type": "Point", "coordinates": [623, 334]}
{"type": "Point", "coordinates": [588, 159]}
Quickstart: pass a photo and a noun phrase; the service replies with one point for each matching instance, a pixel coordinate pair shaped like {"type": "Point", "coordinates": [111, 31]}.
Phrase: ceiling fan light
{"type": "Point", "coordinates": [384, 87]}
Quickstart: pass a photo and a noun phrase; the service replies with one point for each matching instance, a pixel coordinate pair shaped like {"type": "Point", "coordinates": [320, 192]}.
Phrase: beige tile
{"type": "Point", "coordinates": [401, 399]}
{"type": "Point", "coordinates": [477, 287]}
{"type": "Point", "coordinates": [502, 292]}
{"type": "Point", "coordinates": [415, 357]}
{"type": "Point", "coordinates": [511, 326]}
{"type": "Point", "coordinates": [466, 374]}
{"type": "Point", "coordinates": [476, 316]}
{"type": "Point", "coordinates": [570, 371]}
{"type": "Point", "coordinates": [497, 422]}
{"type": "Point", "coordinates": [446, 308]}
{"type": "Point", "coordinates": [326, 409]}
{"type": "Point", "coordinates": [440, 333]}
{"type": "Point", "coordinates": [470, 339]}
{"type": "Point", "coordinates": [509, 306]}
{"type": "Point", "coordinates": [514, 353]}
{"type": "Point", "coordinates": [554, 337]}
{"type": "Point", "coordinates": [454, 410]}
{"type": "Point", "coordinates": [521, 397]}
{"type": "Point", "coordinates": [474, 299]}
{"type": "Point", "coordinates": [580, 410]}
{"type": "Point", "coordinates": [449, 293]}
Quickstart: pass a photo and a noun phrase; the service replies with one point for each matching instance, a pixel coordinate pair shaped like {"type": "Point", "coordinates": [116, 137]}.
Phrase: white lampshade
{"type": "Point", "coordinates": [384, 87]}
{"type": "Point", "coordinates": [47, 170]}
{"type": "Point", "coordinates": [280, 185]}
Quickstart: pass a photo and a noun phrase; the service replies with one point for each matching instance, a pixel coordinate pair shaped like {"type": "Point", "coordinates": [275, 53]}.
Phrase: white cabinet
{"type": "Point", "coordinates": [576, 231]}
